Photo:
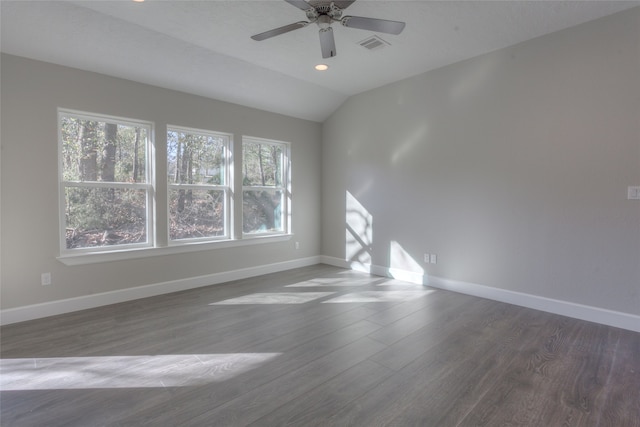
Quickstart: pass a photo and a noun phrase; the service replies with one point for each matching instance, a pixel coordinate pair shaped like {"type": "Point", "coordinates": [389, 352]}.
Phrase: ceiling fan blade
{"type": "Point", "coordinates": [300, 4]}
{"type": "Point", "coordinates": [327, 43]}
{"type": "Point", "coordinates": [343, 4]}
{"type": "Point", "coordinates": [373, 24]}
{"type": "Point", "coordinates": [280, 30]}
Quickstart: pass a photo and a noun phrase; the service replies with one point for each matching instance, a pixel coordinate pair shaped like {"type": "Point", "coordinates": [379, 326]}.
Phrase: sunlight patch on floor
{"type": "Point", "coordinates": [106, 372]}
{"type": "Point", "coordinates": [335, 282]}
{"type": "Point", "coordinates": [275, 298]}
{"type": "Point", "coordinates": [380, 296]}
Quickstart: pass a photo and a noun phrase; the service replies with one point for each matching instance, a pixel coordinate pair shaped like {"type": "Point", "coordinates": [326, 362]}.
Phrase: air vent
{"type": "Point", "coordinates": [374, 43]}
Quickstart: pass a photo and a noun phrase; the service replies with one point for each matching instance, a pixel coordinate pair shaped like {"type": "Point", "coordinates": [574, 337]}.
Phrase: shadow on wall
{"type": "Point", "coordinates": [359, 246]}
{"type": "Point", "coordinates": [359, 233]}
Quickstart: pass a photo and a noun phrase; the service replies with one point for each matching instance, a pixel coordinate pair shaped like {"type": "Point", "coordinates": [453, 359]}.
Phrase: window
{"type": "Point", "coordinates": [199, 191]}
{"type": "Point", "coordinates": [108, 192]}
{"type": "Point", "coordinates": [265, 187]}
{"type": "Point", "coordinates": [106, 188]}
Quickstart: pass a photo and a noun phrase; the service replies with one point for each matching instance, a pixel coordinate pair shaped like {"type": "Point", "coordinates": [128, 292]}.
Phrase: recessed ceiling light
{"type": "Point", "coordinates": [322, 67]}
{"type": "Point", "coordinates": [138, 1]}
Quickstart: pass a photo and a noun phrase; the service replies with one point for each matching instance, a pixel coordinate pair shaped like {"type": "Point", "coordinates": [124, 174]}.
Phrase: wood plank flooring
{"type": "Point", "coordinates": [317, 346]}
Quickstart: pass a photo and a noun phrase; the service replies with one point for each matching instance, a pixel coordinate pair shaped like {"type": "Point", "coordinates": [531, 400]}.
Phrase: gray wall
{"type": "Point", "coordinates": [31, 93]}
{"type": "Point", "coordinates": [513, 167]}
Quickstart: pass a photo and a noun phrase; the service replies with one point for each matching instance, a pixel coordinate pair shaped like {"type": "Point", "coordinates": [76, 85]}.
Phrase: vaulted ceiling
{"type": "Point", "coordinates": [204, 47]}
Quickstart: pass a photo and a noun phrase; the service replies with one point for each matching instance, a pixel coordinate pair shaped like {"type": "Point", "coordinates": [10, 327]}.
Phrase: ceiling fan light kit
{"type": "Point", "coordinates": [324, 13]}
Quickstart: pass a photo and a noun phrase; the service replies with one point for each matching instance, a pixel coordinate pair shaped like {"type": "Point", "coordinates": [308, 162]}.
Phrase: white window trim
{"type": "Point", "coordinates": [92, 255]}
{"type": "Point", "coordinates": [136, 253]}
{"type": "Point", "coordinates": [148, 186]}
{"type": "Point", "coordinates": [286, 188]}
{"type": "Point", "coordinates": [227, 188]}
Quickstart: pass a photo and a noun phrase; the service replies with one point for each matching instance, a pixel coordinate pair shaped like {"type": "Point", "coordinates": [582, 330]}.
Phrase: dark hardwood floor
{"type": "Point", "coordinates": [318, 346]}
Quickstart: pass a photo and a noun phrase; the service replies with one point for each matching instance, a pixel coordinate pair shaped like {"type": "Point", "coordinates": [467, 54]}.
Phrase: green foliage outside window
{"type": "Point", "coordinates": [107, 194]}
{"type": "Point", "coordinates": [263, 180]}
{"type": "Point", "coordinates": [197, 162]}
{"type": "Point", "coordinates": [97, 157]}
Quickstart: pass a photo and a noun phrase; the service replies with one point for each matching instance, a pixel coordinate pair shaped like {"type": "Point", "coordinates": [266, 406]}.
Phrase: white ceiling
{"type": "Point", "coordinates": [204, 47]}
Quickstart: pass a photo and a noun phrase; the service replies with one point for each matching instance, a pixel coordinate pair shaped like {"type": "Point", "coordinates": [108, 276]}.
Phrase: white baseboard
{"type": "Point", "coordinates": [37, 311]}
{"type": "Point", "coordinates": [564, 308]}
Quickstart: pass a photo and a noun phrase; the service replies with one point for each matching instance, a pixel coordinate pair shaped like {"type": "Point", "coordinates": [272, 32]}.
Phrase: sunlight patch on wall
{"type": "Point", "coordinates": [275, 298]}
{"type": "Point", "coordinates": [476, 78]}
{"type": "Point", "coordinates": [405, 149]}
{"type": "Point", "coordinates": [402, 266]}
{"type": "Point", "coordinates": [105, 372]}
{"type": "Point", "coordinates": [359, 232]}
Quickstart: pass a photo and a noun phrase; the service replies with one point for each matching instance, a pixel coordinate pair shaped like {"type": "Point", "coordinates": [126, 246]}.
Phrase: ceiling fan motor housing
{"type": "Point", "coordinates": [319, 9]}
{"type": "Point", "coordinates": [324, 13]}
{"type": "Point", "coordinates": [324, 21]}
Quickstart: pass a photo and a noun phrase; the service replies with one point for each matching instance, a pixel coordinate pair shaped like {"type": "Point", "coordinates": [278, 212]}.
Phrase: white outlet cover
{"type": "Point", "coordinates": [633, 193]}
{"type": "Point", "coordinates": [45, 279]}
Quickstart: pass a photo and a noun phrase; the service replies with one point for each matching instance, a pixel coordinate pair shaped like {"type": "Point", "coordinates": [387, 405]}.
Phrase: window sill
{"type": "Point", "coordinates": [126, 254]}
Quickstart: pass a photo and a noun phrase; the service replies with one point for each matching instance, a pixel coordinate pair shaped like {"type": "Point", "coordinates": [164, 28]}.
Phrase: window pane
{"type": "Point", "coordinates": [104, 216]}
{"type": "Point", "coordinates": [94, 150]}
{"type": "Point", "coordinates": [196, 213]}
{"type": "Point", "coordinates": [195, 158]}
{"type": "Point", "coordinates": [262, 164]}
{"type": "Point", "coordinates": [262, 211]}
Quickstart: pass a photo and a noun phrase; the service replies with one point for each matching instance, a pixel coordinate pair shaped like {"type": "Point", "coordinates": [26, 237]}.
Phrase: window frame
{"type": "Point", "coordinates": [285, 188]}
{"type": "Point", "coordinates": [158, 242]}
{"type": "Point", "coordinates": [227, 188]}
{"type": "Point", "coordinates": [148, 186]}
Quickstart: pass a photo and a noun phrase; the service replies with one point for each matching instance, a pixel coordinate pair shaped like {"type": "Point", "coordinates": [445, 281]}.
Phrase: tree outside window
{"type": "Point", "coordinates": [107, 189]}
{"type": "Point", "coordinates": [198, 174]}
{"type": "Point", "coordinates": [105, 181]}
{"type": "Point", "coordinates": [265, 186]}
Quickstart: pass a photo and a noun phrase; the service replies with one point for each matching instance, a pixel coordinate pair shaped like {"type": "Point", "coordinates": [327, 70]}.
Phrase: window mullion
{"type": "Point", "coordinates": [103, 184]}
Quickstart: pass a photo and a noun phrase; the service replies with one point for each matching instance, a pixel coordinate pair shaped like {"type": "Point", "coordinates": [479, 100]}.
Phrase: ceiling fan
{"type": "Point", "coordinates": [325, 13]}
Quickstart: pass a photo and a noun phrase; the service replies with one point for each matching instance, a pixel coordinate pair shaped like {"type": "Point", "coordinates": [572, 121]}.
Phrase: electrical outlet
{"type": "Point", "coordinates": [433, 259]}
{"type": "Point", "coordinates": [297, 245]}
{"type": "Point", "coordinates": [45, 279]}
{"type": "Point", "coordinates": [426, 258]}
{"type": "Point", "coordinates": [633, 193]}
